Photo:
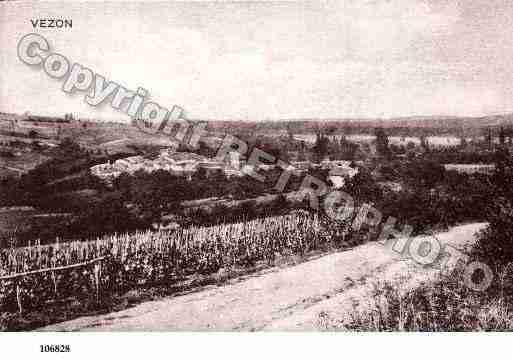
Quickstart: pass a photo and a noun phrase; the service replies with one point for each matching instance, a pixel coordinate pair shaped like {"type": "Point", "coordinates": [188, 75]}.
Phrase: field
{"type": "Point", "coordinates": [14, 219]}
{"type": "Point", "coordinates": [437, 141]}
{"type": "Point", "coordinates": [153, 258]}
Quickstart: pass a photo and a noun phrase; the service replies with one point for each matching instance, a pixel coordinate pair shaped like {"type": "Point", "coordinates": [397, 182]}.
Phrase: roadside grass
{"type": "Point", "coordinates": [444, 304]}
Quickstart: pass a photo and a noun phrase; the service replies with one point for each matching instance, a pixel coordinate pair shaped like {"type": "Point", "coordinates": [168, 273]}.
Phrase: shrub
{"type": "Point", "coordinates": [442, 305]}
{"type": "Point", "coordinates": [495, 243]}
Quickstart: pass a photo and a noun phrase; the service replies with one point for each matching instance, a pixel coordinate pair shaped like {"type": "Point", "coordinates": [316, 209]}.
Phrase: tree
{"type": "Point", "coordinates": [363, 187]}
{"type": "Point", "coordinates": [201, 174]}
{"type": "Point", "coordinates": [502, 137]}
{"type": "Point", "coordinates": [382, 146]}
{"type": "Point", "coordinates": [280, 203]}
{"type": "Point", "coordinates": [290, 134]}
{"type": "Point", "coordinates": [424, 173]}
{"type": "Point", "coordinates": [321, 147]}
{"type": "Point", "coordinates": [347, 150]}
{"type": "Point", "coordinates": [302, 154]}
{"type": "Point", "coordinates": [501, 161]}
{"type": "Point", "coordinates": [495, 243]}
{"type": "Point", "coordinates": [488, 138]}
{"type": "Point", "coordinates": [424, 143]}
{"type": "Point", "coordinates": [68, 145]}
{"type": "Point", "coordinates": [463, 143]}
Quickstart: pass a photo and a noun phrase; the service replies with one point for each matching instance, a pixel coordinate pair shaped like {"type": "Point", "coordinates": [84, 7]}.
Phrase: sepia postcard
{"type": "Point", "coordinates": [271, 166]}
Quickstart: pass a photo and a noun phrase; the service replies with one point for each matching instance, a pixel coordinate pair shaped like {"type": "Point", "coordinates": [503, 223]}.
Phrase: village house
{"type": "Point", "coordinates": [339, 172]}
{"type": "Point", "coordinates": [184, 164]}
{"type": "Point", "coordinates": [471, 168]}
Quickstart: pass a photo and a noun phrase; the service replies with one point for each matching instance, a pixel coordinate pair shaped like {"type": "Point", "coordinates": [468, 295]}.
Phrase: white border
{"type": "Point", "coordinates": [142, 345]}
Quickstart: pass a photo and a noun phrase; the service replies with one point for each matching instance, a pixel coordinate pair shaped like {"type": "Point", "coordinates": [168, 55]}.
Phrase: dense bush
{"type": "Point", "coordinates": [431, 198]}
{"type": "Point", "coordinates": [495, 243]}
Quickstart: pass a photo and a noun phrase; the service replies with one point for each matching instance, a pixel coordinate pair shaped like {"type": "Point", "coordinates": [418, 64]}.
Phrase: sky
{"type": "Point", "coordinates": [273, 60]}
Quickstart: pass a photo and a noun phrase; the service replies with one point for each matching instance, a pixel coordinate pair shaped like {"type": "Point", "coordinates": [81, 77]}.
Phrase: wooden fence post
{"type": "Point", "coordinates": [18, 296]}
{"type": "Point", "coordinates": [97, 277]}
{"type": "Point", "coordinates": [17, 278]}
{"type": "Point", "coordinates": [54, 279]}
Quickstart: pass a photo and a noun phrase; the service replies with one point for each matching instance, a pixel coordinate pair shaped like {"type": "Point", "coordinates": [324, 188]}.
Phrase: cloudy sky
{"type": "Point", "coordinates": [240, 60]}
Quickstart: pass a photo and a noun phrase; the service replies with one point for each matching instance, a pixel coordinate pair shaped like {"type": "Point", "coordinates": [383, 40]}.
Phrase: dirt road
{"type": "Point", "coordinates": [292, 298]}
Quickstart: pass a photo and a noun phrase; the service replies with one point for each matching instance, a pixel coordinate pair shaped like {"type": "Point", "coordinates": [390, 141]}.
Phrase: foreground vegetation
{"type": "Point", "coordinates": [447, 304]}
{"type": "Point", "coordinates": [150, 259]}
{"type": "Point", "coordinates": [443, 305]}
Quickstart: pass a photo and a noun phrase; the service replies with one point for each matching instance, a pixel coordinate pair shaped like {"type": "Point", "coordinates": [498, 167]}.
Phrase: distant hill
{"type": "Point", "coordinates": [95, 133]}
{"type": "Point", "coordinates": [405, 126]}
